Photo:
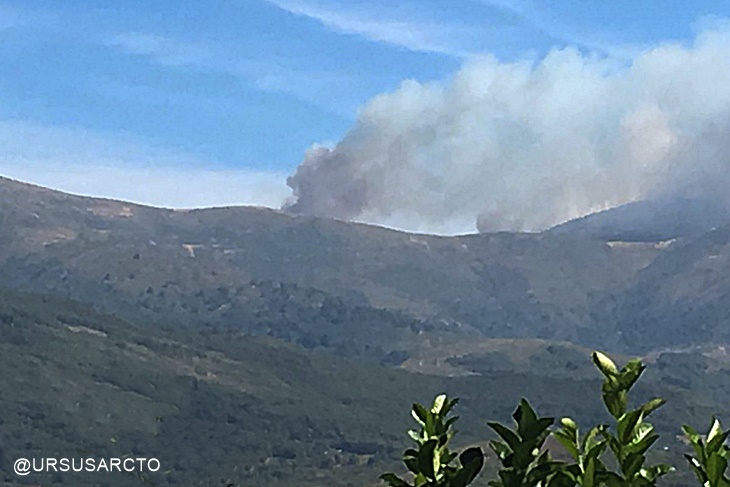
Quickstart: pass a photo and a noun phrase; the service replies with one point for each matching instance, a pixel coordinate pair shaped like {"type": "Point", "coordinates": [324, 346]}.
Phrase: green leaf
{"type": "Point", "coordinates": [535, 431]}
{"type": "Point", "coordinates": [626, 424]}
{"type": "Point", "coordinates": [715, 429]}
{"type": "Point", "coordinates": [653, 405]}
{"type": "Point", "coordinates": [616, 401]}
{"type": "Point", "coordinates": [716, 466]}
{"type": "Point", "coordinates": [593, 437]}
{"type": "Point", "coordinates": [412, 464]}
{"type": "Point", "coordinates": [420, 413]}
{"type": "Point", "coordinates": [507, 434]}
{"type": "Point", "coordinates": [428, 460]}
{"type": "Point", "coordinates": [696, 441]}
{"type": "Point", "coordinates": [611, 479]}
{"type": "Point", "coordinates": [691, 434]}
{"type": "Point", "coordinates": [568, 443]}
{"type": "Point", "coordinates": [450, 421]}
{"type": "Point", "coordinates": [438, 404]}
{"type": "Point", "coordinates": [643, 438]}
{"type": "Point", "coordinates": [447, 458]}
{"type": "Point", "coordinates": [562, 479]}
{"type": "Point", "coordinates": [716, 443]}
{"type": "Point", "coordinates": [524, 416]}
{"type": "Point", "coordinates": [473, 455]}
{"type": "Point", "coordinates": [415, 435]}
{"type": "Point", "coordinates": [472, 461]}
{"type": "Point", "coordinates": [632, 464]}
{"type": "Point", "coordinates": [500, 449]}
{"type": "Point", "coordinates": [446, 409]}
{"type": "Point", "coordinates": [430, 426]}
{"type": "Point", "coordinates": [524, 455]}
{"type": "Point", "coordinates": [569, 426]}
{"type": "Point", "coordinates": [589, 473]}
{"type": "Point", "coordinates": [656, 471]}
{"type": "Point", "coordinates": [604, 364]}
{"type": "Point", "coordinates": [595, 452]}
{"type": "Point", "coordinates": [540, 473]}
{"type": "Point", "coordinates": [630, 374]}
{"type": "Point", "coordinates": [697, 467]}
{"type": "Point", "coordinates": [510, 477]}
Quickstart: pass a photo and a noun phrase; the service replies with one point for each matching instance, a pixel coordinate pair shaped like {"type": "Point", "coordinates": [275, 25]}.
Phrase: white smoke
{"type": "Point", "coordinates": [522, 146]}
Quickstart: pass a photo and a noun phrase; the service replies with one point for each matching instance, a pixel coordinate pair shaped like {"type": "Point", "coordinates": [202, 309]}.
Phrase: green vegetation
{"type": "Point", "coordinates": [710, 460]}
{"type": "Point", "coordinates": [215, 404]}
{"type": "Point", "coordinates": [197, 267]}
{"type": "Point", "coordinates": [433, 463]}
{"type": "Point", "coordinates": [211, 405]}
{"type": "Point", "coordinates": [245, 345]}
{"type": "Point", "coordinates": [629, 443]}
{"type": "Point", "coordinates": [615, 455]}
{"type": "Point", "coordinates": [523, 461]}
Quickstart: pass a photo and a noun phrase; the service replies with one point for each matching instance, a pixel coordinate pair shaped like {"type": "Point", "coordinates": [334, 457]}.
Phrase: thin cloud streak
{"type": "Point", "coordinates": [436, 38]}
{"type": "Point", "coordinates": [544, 21]}
{"type": "Point", "coordinates": [164, 50]}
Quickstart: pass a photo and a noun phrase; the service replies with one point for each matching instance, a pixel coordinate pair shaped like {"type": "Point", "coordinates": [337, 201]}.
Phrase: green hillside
{"type": "Point", "coordinates": [214, 404]}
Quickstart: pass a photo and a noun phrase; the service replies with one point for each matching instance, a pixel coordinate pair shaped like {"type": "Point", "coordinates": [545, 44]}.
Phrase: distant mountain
{"type": "Point", "coordinates": [252, 345]}
{"type": "Point", "coordinates": [365, 291]}
{"type": "Point", "coordinates": [202, 267]}
{"type": "Point", "coordinates": [650, 221]}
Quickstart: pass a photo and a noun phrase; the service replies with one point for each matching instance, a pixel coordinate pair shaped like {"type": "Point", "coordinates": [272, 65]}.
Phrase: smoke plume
{"type": "Point", "coordinates": [524, 145]}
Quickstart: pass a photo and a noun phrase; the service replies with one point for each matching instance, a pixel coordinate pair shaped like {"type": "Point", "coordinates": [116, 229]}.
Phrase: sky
{"type": "Point", "coordinates": [191, 104]}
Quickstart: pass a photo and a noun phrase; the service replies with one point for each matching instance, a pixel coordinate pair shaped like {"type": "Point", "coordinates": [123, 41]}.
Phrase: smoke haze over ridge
{"type": "Point", "coordinates": [526, 145]}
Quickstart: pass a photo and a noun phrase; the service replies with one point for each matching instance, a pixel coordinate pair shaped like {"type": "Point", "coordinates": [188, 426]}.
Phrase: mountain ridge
{"type": "Point", "coordinates": [283, 347]}
{"type": "Point", "coordinates": [159, 264]}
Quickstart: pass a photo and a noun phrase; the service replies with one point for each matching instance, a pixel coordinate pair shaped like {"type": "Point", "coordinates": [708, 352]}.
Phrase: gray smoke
{"type": "Point", "coordinates": [523, 146]}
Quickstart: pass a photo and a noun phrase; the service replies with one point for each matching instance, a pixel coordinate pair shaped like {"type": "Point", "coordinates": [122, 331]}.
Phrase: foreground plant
{"type": "Point", "coordinates": [711, 457]}
{"type": "Point", "coordinates": [608, 455]}
{"type": "Point", "coordinates": [432, 463]}
{"type": "Point", "coordinates": [629, 444]}
{"type": "Point", "coordinates": [524, 462]}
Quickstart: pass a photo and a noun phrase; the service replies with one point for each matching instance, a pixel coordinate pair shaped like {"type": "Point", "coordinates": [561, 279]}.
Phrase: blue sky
{"type": "Point", "coordinates": [132, 99]}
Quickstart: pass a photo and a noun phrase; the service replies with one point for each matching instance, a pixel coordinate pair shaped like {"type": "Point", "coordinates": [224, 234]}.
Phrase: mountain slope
{"type": "Point", "coordinates": [364, 291]}
{"type": "Point", "coordinates": [650, 220]}
{"type": "Point", "coordinates": [209, 406]}
{"type": "Point", "coordinates": [219, 405]}
{"type": "Point", "coordinates": [182, 353]}
{"type": "Point", "coordinates": [188, 267]}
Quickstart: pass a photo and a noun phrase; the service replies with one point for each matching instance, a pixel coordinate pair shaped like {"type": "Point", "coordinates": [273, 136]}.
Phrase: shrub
{"type": "Point", "coordinates": [432, 463]}
{"type": "Point", "coordinates": [608, 455]}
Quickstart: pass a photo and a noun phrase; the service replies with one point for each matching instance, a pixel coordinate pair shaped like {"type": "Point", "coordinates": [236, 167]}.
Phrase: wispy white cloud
{"type": "Point", "coordinates": [82, 162]}
{"type": "Point", "coordinates": [165, 50]}
{"type": "Point", "coordinates": [419, 36]}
